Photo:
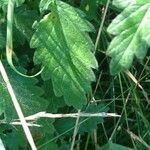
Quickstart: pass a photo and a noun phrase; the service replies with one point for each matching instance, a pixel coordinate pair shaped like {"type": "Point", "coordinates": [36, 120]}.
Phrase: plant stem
{"type": "Point", "coordinates": [87, 142]}
{"type": "Point", "coordinates": [75, 131]}
{"type": "Point", "coordinates": [101, 26]}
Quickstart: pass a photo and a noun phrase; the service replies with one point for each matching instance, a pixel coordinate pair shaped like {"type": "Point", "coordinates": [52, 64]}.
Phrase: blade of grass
{"type": "Point", "coordinates": [9, 40]}
{"type": "Point", "coordinates": [117, 124]}
{"type": "Point", "coordinates": [17, 107]}
{"type": "Point", "coordinates": [75, 131]}
{"type": "Point", "coordinates": [135, 137]}
{"type": "Point", "coordinates": [101, 25]}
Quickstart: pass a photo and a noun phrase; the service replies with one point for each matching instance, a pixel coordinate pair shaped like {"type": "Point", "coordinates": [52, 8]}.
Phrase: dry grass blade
{"type": "Point", "coordinates": [131, 76]}
{"type": "Point", "coordinates": [75, 131]}
{"type": "Point", "coordinates": [135, 137]}
{"type": "Point", "coordinates": [17, 107]}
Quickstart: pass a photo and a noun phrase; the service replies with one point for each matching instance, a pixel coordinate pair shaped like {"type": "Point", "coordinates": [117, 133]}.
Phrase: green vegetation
{"type": "Point", "coordinates": [77, 74]}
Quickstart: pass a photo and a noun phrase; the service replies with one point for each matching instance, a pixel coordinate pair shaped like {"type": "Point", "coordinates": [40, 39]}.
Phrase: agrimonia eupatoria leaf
{"type": "Point", "coordinates": [54, 102]}
{"type": "Point", "coordinates": [123, 4]}
{"type": "Point", "coordinates": [23, 20]}
{"type": "Point", "coordinates": [64, 48]}
{"type": "Point", "coordinates": [132, 30]}
{"type": "Point", "coordinates": [27, 93]}
{"type": "Point", "coordinates": [2, 40]}
{"type": "Point", "coordinates": [114, 146]}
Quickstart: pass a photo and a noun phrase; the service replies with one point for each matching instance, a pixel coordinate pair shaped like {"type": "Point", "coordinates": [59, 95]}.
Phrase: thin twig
{"type": "Point", "coordinates": [135, 137]}
{"type": "Point", "coordinates": [95, 138]}
{"type": "Point", "coordinates": [72, 115]}
{"type": "Point", "coordinates": [75, 131]}
{"type": "Point", "coordinates": [17, 107]}
{"type": "Point", "coordinates": [97, 84]}
{"type": "Point", "coordinates": [87, 142]}
{"type": "Point", "coordinates": [78, 144]}
{"type": "Point", "coordinates": [117, 124]}
{"type": "Point", "coordinates": [101, 26]}
{"type": "Point", "coordinates": [131, 76]}
{"type": "Point", "coordinates": [49, 115]}
{"type": "Point", "coordinates": [28, 124]}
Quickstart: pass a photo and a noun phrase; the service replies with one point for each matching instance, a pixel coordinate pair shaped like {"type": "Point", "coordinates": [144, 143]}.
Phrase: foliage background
{"type": "Point", "coordinates": [63, 37]}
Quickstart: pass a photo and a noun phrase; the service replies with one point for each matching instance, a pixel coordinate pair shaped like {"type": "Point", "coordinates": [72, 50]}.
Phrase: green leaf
{"type": "Point", "coordinates": [91, 123]}
{"type": "Point", "coordinates": [44, 133]}
{"type": "Point", "coordinates": [142, 1]}
{"type": "Point", "coordinates": [64, 48]}
{"type": "Point", "coordinates": [13, 144]}
{"type": "Point", "coordinates": [132, 39]}
{"type": "Point", "coordinates": [113, 146]}
{"type": "Point", "coordinates": [14, 138]}
{"type": "Point", "coordinates": [27, 93]}
{"type": "Point", "coordinates": [3, 3]}
{"type": "Point", "coordinates": [46, 127]}
{"type": "Point", "coordinates": [2, 40]}
{"type": "Point", "coordinates": [44, 5]}
{"type": "Point", "coordinates": [23, 20]}
{"type": "Point", "coordinates": [123, 4]}
{"type": "Point", "coordinates": [19, 2]}
{"type": "Point", "coordinates": [54, 102]}
{"type": "Point", "coordinates": [18, 39]}
{"type": "Point", "coordinates": [46, 144]}
{"type": "Point", "coordinates": [90, 8]}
